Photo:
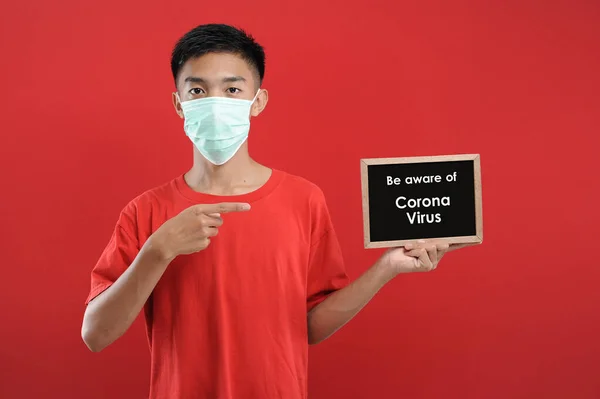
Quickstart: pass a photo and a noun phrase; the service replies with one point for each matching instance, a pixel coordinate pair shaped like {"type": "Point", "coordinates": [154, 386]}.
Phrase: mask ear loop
{"type": "Point", "coordinates": [254, 99]}
{"type": "Point", "coordinates": [255, 96]}
{"type": "Point", "coordinates": [180, 103]}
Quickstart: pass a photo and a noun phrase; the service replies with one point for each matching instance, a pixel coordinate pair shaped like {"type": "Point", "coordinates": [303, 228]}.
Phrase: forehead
{"type": "Point", "coordinates": [215, 66]}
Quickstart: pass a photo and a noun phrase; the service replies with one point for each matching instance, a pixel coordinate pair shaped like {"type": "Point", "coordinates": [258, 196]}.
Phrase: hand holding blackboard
{"type": "Point", "coordinates": [435, 198]}
{"type": "Point", "coordinates": [422, 256]}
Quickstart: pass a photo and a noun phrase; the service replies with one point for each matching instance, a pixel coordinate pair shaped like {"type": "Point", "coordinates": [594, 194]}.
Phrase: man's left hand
{"type": "Point", "coordinates": [422, 256]}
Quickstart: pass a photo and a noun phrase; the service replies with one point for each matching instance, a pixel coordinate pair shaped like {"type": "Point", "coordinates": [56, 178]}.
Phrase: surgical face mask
{"type": "Point", "coordinates": [218, 126]}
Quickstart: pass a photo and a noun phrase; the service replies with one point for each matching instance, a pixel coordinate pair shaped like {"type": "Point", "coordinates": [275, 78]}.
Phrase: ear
{"type": "Point", "coordinates": [177, 105]}
{"type": "Point", "coordinates": [260, 103]}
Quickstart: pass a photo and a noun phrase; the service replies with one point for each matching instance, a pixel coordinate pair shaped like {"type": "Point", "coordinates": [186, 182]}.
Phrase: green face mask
{"type": "Point", "coordinates": [218, 126]}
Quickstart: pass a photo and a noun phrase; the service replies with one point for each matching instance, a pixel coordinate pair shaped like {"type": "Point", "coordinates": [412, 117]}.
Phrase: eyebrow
{"type": "Point", "coordinates": [229, 79]}
{"type": "Point", "coordinates": [234, 79]}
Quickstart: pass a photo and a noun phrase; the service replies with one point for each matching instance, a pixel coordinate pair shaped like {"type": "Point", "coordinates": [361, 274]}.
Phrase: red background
{"type": "Point", "coordinates": [87, 124]}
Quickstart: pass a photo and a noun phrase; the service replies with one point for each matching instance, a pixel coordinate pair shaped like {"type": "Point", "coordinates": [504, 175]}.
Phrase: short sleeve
{"type": "Point", "coordinates": [119, 253]}
{"type": "Point", "coordinates": [326, 269]}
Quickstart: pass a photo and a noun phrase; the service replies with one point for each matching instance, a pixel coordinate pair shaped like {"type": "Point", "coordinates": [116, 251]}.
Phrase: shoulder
{"type": "Point", "coordinates": [302, 188]}
{"type": "Point", "coordinates": [309, 202]}
{"type": "Point", "coordinates": [151, 199]}
{"type": "Point", "coordinates": [306, 197]}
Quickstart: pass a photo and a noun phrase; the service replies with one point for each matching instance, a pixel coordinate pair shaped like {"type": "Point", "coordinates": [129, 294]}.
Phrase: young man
{"type": "Point", "coordinates": [236, 266]}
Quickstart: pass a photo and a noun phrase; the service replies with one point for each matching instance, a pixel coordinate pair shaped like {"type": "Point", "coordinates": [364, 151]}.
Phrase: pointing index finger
{"type": "Point", "coordinates": [225, 207]}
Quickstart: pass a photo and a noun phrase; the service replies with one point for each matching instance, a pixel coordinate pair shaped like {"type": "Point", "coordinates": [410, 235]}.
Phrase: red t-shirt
{"type": "Point", "coordinates": [230, 322]}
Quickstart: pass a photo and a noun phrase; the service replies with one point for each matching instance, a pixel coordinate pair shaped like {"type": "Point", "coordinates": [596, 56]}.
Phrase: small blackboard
{"type": "Point", "coordinates": [433, 198]}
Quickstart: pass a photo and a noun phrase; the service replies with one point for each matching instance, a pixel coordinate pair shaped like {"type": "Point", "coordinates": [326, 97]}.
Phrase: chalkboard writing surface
{"type": "Point", "coordinates": [407, 199]}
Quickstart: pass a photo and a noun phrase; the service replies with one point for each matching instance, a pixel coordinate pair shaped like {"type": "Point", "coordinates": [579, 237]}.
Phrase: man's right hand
{"type": "Point", "coordinates": [112, 312]}
{"type": "Point", "coordinates": [192, 229]}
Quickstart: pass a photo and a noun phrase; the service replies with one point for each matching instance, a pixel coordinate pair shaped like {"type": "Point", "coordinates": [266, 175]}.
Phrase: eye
{"type": "Point", "coordinates": [233, 90]}
{"type": "Point", "coordinates": [196, 91]}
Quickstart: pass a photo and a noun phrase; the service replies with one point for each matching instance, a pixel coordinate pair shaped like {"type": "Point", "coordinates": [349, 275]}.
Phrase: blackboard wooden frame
{"type": "Point", "coordinates": [364, 164]}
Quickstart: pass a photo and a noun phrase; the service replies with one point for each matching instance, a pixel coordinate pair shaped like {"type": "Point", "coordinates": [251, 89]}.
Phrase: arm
{"type": "Point", "coordinates": [341, 306]}
{"type": "Point", "coordinates": [111, 313]}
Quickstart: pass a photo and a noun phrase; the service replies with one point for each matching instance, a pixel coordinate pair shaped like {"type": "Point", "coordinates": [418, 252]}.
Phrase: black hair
{"type": "Point", "coordinates": [218, 38]}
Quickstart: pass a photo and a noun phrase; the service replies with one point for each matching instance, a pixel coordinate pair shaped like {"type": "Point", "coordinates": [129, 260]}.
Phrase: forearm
{"type": "Point", "coordinates": [111, 313]}
{"type": "Point", "coordinates": [341, 306]}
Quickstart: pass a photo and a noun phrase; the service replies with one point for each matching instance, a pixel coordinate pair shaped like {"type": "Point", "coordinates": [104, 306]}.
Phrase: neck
{"type": "Point", "coordinates": [237, 176]}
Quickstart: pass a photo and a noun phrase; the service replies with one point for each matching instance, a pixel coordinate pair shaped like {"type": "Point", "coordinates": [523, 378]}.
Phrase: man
{"type": "Point", "coordinates": [236, 265]}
